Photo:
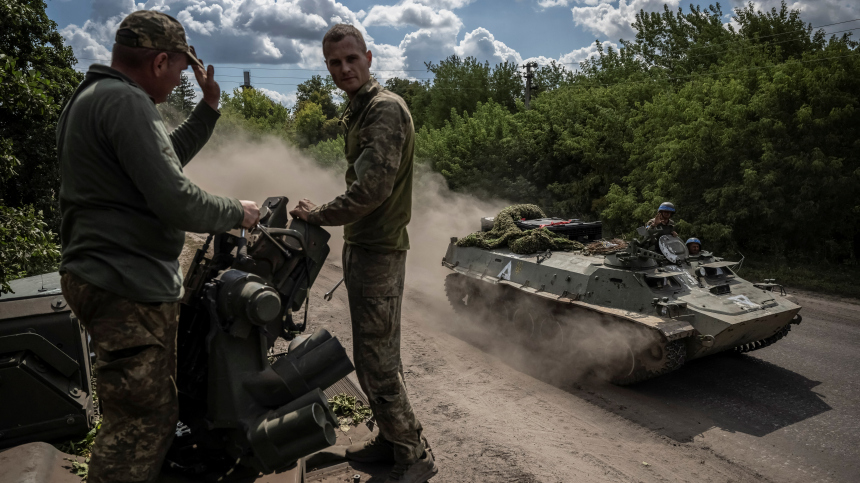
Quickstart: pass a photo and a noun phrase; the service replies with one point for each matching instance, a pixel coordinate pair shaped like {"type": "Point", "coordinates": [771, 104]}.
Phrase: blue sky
{"type": "Point", "coordinates": [278, 40]}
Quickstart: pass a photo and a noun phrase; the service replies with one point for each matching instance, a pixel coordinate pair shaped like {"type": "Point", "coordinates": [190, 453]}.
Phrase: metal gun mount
{"type": "Point", "coordinates": [237, 406]}
{"type": "Point", "coordinates": [635, 257]}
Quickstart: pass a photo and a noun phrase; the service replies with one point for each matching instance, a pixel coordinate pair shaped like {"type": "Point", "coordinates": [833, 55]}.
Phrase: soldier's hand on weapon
{"type": "Point", "coordinates": [206, 81]}
{"type": "Point", "coordinates": [674, 234]}
{"type": "Point", "coordinates": [252, 214]}
{"type": "Point", "coordinates": [302, 210]}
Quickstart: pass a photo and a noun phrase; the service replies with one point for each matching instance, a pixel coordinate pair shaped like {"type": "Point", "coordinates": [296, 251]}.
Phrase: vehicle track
{"type": "Point", "coordinates": [490, 419]}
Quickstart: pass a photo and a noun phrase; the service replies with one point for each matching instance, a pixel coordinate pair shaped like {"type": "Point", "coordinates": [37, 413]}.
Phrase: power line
{"type": "Point", "coordinates": [768, 44]}
{"type": "Point", "coordinates": [223, 76]}
{"type": "Point", "coordinates": [781, 33]}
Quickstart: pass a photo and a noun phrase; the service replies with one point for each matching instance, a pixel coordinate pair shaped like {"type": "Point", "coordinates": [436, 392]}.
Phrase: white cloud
{"type": "Point", "coordinates": [612, 18]}
{"type": "Point", "coordinates": [613, 21]}
{"type": "Point", "coordinates": [388, 61]}
{"type": "Point", "coordinates": [286, 100]}
{"type": "Point", "coordinates": [409, 13]}
{"type": "Point", "coordinates": [573, 58]}
{"type": "Point", "coordinates": [241, 31]}
{"type": "Point", "coordinates": [449, 4]}
{"type": "Point", "coordinates": [283, 19]}
{"type": "Point", "coordinates": [103, 10]}
{"type": "Point", "coordinates": [553, 3]}
{"type": "Point", "coordinates": [818, 12]}
{"type": "Point", "coordinates": [482, 45]}
{"type": "Point", "coordinates": [427, 45]}
{"type": "Point", "coordinates": [87, 49]}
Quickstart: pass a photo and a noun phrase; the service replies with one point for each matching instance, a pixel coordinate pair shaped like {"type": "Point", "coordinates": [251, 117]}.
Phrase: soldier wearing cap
{"type": "Point", "coordinates": [374, 211]}
{"type": "Point", "coordinates": [126, 205]}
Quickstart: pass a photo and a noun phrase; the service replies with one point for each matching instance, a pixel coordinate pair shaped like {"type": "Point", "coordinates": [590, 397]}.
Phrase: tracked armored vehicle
{"type": "Point", "coordinates": [652, 311]}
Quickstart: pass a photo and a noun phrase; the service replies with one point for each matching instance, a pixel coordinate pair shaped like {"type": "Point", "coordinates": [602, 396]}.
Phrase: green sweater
{"type": "Point", "coordinates": [125, 201]}
{"type": "Point", "coordinates": [377, 204]}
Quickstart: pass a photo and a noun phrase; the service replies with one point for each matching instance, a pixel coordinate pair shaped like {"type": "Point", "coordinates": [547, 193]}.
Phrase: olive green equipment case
{"type": "Point", "coordinates": [44, 365]}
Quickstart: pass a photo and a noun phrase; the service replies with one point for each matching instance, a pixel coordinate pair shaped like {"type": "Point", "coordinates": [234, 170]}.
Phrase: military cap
{"type": "Point", "coordinates": [151, 29]}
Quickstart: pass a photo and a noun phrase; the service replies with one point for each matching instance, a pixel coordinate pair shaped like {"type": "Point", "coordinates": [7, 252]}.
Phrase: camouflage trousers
{"type": "Point", "coordinates": [374, 283]}
{"type": "Point", "coordinates": [135, 346]}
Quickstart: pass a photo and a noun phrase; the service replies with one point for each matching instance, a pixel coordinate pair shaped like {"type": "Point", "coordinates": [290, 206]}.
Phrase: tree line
{"type": "Point", "coordinates": [752, 129]}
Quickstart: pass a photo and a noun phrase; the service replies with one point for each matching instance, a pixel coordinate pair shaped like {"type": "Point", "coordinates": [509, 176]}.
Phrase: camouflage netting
{"type": "Point", "coordinates": [506, 233]}
{"type": "Point", "coordinates": [605, 247]}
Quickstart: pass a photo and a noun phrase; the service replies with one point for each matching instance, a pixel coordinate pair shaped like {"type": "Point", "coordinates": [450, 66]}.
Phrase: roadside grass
{"type": "Point", "coordinates": [83, 447]}
{"type": "Point", "coordinates": [349, 410]}
{"type": "Point", "coordinates": [825, 278]}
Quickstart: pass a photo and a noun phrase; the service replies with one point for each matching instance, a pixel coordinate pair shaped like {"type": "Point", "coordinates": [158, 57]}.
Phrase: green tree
{"type": "Point", "coordinates": [38, 75]}
{"type": "Point", "coordinates": [458, 86]}
{"type": "Point", "coordinates": [320, 91]}
{"type": "Point", "coordinates": [180, 101]}
{"type": "Point", "coordinates": [253, 112]}
{"type": "Point", "coordinates": [329, 153]}
{"type": "Point", "coordinates": [550, 77]}
{"type": "Point", "coordinates": [27, 246]}
{"type": "Point", "coordinates": [312, 126]}
{"type": "Point", "coordinates": [506, 85]}
{"type": "Point", "coordinates": [406, 89]}
{"type": "Point", "coordinates": [751, 130]}
{"type": "Point", "coordinates": [36, 78]}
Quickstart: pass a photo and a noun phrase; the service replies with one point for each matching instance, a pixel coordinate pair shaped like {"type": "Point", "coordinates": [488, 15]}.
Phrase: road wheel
{"type": "Point", "coordinates": [654, 360]}
{"type": "Point", "coordinates": [524, 325]}
{"type": "Point", "coordinates": [463, 294]}
{"type": "Point", "coordinates": [551, 332]}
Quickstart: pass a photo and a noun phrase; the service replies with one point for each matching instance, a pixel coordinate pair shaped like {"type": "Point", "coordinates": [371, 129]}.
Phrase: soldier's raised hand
{"type": "Point", "coordinates": [206, 80]}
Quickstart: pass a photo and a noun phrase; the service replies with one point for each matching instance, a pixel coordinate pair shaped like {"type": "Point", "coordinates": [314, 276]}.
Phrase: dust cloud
{"type": "Point", "coordinates": [550, 341]}
{"type": "Point", "coordinates": [255, 170]}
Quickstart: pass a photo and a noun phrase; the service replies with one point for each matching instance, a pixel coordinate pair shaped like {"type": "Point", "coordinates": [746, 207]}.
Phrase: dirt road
{"type": "Point", "coordinates": [785, 413]}
{"type": "Point", "coordinates": [727, 418]}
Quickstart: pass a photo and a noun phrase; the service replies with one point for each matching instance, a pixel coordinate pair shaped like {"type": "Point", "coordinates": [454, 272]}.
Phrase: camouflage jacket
{"type": "Point", "coordinates": [655, 231]}
{"type": "Point", "coordinates": [377, 204]}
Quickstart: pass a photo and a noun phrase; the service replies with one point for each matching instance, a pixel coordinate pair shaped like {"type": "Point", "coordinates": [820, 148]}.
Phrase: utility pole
{"type": "Point", "coordinates": [247, 83]}
{"type": "Point", "coordinates": [529, 76]}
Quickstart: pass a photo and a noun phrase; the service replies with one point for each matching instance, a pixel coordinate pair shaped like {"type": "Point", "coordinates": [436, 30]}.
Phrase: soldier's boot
{"type": "Point", "coordinates": [418, 471]}
{"type": "Point", "coordinates": [374, 450]}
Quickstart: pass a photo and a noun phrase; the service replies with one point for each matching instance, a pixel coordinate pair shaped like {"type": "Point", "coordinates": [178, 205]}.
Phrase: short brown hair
{"type": "Point", "coordinates": [340, 32]}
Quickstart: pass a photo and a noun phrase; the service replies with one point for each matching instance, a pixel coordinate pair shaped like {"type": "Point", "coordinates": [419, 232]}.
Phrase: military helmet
{"type": "Point", "coordinates": [666, 206]}
{"type": "Point", "coordinates": [693, 240]}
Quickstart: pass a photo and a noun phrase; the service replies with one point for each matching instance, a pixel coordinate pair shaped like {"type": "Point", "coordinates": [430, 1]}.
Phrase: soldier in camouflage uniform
{"type": "Point", "coordinates": [660, 225]}
{"type": "Point", "coordinates": [375, 210]}
{"type": "Point", "coordinates": [125, 207]}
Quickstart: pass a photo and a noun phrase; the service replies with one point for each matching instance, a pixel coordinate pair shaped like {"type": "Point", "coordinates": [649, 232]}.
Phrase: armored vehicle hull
{"type": "Point", "coordinates": [660, 314]}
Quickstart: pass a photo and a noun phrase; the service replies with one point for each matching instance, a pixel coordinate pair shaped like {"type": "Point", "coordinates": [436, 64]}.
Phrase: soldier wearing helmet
{"type": "Point", "coordinates": [694, 247]}
{"type": "Point", "coordinates": [663, 221]}
{"type": "Point", "coordinates": [657, 227]}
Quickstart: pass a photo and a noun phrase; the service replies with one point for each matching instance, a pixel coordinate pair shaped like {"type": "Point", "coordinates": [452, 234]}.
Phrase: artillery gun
{"type": "Point", "coordinates": [241, 405]}
{"type": "Point", "coordinates": [661, 308]}
{"type": "Point", "coordinates": [243, 409]}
